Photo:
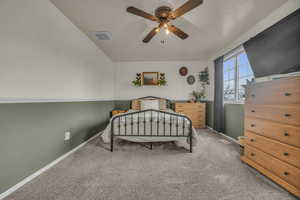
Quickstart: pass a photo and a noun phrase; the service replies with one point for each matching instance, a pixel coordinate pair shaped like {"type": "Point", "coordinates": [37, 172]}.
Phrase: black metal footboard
{"type": "Point", "coordinates": [151, 123]}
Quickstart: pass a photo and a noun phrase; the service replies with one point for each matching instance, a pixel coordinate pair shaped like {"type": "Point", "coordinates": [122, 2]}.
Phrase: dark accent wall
{"type": "Point", "coordinates": [276, 50]}
{"type": "Point", "coordinates": [32, 134]}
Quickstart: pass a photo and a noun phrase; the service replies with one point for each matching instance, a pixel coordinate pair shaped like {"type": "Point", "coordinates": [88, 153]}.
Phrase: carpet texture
{"type": "Point", "coordinates": [134, 172]}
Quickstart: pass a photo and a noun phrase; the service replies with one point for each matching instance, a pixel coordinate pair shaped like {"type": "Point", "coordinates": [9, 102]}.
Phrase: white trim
{"type": "Point", "coordinates": [225, 136]}
{"type": "Point", "coordinates": [234, 52]}
{"type": "Point", "coordinates": [43, 100]}
{"type": "Point", "coordinates": [42, 170]}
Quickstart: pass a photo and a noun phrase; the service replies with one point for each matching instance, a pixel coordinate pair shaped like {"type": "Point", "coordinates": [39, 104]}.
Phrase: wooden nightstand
{"type": "Point", "coordinates": [115, 112]}
{"type": "Point", "coordinates": [195, 111]}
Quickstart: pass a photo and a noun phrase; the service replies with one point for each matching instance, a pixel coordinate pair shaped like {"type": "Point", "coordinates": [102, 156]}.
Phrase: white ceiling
{"type": "Point", "coordinates": [212, 26]}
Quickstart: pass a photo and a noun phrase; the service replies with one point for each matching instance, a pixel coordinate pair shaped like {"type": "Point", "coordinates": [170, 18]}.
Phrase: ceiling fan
{"type": "Point", "coordinates": [163, 15]}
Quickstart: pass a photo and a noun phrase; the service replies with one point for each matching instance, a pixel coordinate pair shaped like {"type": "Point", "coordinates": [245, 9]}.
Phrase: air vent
{"type": "Point", "coordinates": [103, 35]}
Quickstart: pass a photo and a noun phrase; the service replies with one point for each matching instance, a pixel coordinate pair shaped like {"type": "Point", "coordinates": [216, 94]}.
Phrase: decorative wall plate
{"type": "Point", "coordinates": [183, 71]}
{"type": "Point", "coordinates": [191, 79]}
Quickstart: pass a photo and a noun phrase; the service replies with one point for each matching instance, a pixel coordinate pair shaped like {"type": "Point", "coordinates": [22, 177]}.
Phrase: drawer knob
{"type": "Point", "coordinates": [287, 94]}
{"type": "Point", "coordinates": [253, 95]}
{"type": "Point", "coordinates": [285, 153]}
{"type": "Point", "coordinates": [252, 125]}
{"type": "Point", "coordinates": [253, 111]}
{"type": "Point", "coordinates": [286, 173]}
{"type": "Point", "coordinates": [286, 134]}
{"type": "Point", "coordinates": [287, 115]}
{"type": "Point", "coordinates": [252, 154]}
{"type": "Point", "coordinates": [252, 140]}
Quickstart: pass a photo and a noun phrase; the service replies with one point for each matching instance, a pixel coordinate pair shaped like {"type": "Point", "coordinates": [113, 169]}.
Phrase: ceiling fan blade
{"type": "Point", "coordinates": [189, 5]}
{"type": "Point", "coordinates": [141, 13]}
{"type": "Point", "coordinates": [178, 32]}
{"type": "Point", "coordinates": [151, 35]}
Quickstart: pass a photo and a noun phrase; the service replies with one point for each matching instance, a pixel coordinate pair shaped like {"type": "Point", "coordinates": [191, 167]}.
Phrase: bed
{"type": "Point", "coordinates": [147, 123]}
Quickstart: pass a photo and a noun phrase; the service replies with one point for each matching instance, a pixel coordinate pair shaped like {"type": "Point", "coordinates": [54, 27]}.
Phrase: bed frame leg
{"type": "Point", "coordinates": [112, 141]}
{"type": "Point", "coordinates": [191, 140]}
{"type": "Point", "coordinates": [151, 146]}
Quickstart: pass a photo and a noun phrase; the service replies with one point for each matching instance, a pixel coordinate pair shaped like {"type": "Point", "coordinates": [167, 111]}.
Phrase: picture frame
{"type": "Point", "coordinates": [150, 78]}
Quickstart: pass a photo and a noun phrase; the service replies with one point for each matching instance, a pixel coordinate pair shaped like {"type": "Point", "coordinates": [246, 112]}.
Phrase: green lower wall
{"type": "Point", "coordinates": [210, 114]}
{"type": "Point", "coordinates": [234, 120]}
{"type": "Point", "coordinates": [122, 104]}
{"type": "Point", "coordinates": [32, 134]}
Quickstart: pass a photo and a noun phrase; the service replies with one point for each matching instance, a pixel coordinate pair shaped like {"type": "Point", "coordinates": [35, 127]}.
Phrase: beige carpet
{"type": "Point", "coordinates": [133, 172]}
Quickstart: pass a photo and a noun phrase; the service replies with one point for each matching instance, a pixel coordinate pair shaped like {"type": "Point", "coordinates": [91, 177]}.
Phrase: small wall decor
{"type": "Point", "coordinates": [191, 79]}
{"type": "Point", "coordinates": [204, 76]}
{"type": "Point", "coordinates": [137, 82]}
{"type": "Point", "coordinates": [150, 78]}
{"type": "Point", "coordinates": [183, 71]}
{"type": "Point", "coordinates": [162, 79]}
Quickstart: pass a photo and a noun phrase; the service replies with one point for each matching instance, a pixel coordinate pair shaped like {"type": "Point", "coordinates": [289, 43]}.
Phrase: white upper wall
{"type": "Point", "coordinates": [44, 56]}
{"type": "Point", "coordinates": [176, 89]}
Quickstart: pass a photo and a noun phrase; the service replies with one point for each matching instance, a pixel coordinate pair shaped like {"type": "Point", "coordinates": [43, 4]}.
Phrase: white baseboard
{"type": "Point", "coordinates": [222, 134]}
{"type": "Point", "coordinates": [42, 170]}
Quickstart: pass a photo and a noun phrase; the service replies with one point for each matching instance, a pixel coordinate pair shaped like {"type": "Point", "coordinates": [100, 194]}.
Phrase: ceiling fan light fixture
{"type": "Point", "coordinates": [163, 15]}
{"type": "Point", "coordinates": [167, 31]}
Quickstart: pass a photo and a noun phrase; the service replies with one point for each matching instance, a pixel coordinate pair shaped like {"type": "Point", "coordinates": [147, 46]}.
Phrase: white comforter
{"type": "Point", "coordinates": [160, 126]}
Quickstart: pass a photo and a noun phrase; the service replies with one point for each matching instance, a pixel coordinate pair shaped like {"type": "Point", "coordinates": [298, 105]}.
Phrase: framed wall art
{"type": "Point", "coordinates": [150, 78]}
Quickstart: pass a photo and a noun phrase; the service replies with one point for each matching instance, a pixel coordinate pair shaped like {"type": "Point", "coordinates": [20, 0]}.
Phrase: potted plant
{"type": "Point", "coordinates": [198, 96]}
{"type": "Point", "coordinates": [137, 82]}
{"type": "Point", "coordinates": [162, 80]}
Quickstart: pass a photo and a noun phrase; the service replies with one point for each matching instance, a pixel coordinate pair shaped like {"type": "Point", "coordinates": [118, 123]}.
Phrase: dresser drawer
{"type": "Point", "coordinates": [282, 151]}
{"type": "Point", "coordinates": [189, 106]}
{"type": "Point", "coordinates": [283, 114]}
{"type": "Point", "coordinates": [285, 91]}
{"type": "Point", "coordinates": [283, 170]}
{"type": "Point", "coordinates": [198, 125]}
{"type": "Point", "coordinates": [284, 133]}
{"type": "Point", "coordinates": [182, 110]}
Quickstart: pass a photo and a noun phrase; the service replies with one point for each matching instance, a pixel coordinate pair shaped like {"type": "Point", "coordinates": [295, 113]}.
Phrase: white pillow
{"type": "Point", "coordinates": [150, 104]}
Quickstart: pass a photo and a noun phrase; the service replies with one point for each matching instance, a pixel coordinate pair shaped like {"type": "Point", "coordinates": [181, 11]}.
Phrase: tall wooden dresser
{"type": "Point", "coordinates": [272, 131]}
{"type": "Point", "coordinates": [195, 111]}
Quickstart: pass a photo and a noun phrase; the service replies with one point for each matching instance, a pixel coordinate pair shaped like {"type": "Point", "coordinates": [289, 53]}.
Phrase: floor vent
{"type": "Point", "coordinates": [224, 141]}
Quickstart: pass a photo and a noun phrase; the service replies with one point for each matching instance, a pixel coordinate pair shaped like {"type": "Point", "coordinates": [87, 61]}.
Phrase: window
{"type": "Point", "coordinates": [237, 71]}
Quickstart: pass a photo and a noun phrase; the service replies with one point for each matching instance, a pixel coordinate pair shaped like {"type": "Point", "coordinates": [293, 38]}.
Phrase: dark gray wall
{"type": "Point", "coordinates": [32, 134]}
